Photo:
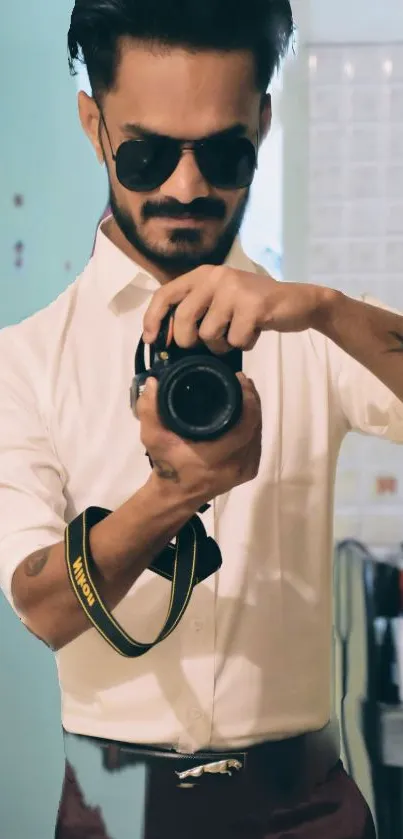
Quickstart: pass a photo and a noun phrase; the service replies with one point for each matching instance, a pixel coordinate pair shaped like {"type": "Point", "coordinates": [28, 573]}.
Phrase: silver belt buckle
{"type": "Point", "coordinates": [219, 767]}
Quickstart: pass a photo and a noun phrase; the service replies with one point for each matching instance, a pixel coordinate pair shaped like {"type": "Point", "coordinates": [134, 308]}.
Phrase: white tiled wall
{"type": "Point", "coordinates": [356, 237]}
{"type": "Point", "coordinates": [356, 169]}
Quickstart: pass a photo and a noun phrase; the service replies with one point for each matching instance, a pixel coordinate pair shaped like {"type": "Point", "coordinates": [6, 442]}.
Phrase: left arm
{"type": "Point", "coordinates": [368, 333]}
{"type": "Point", "coordinates": [227, 308]}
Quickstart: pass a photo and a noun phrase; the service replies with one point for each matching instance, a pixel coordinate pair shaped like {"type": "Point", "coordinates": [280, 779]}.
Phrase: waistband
{"type": "Point", "coordinates": [309, 756]}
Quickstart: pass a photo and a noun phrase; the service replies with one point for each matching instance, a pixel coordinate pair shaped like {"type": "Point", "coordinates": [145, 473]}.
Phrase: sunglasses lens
{"type": "Point", "coordinates": [228, 164]}
{"type": "Point", "coordinates": [143, 165]}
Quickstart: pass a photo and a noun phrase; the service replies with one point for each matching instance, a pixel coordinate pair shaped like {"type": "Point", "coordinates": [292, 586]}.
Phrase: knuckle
{"type": "Point", "coordinates": [218, 273]}
{"type": "Point", "coordinates": [232, 280]}
{"type": "Point", "coordinates": [254, 298]}
{"type": "Point", "coordinates": [227, 282]}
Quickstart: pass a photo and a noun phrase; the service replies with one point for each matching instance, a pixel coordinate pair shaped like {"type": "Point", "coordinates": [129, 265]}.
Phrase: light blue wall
{"type": "Point", "coordinates": [44, 157]}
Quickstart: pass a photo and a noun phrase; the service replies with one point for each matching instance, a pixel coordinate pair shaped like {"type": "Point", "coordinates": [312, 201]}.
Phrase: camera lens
{"type": "Point", "coordinates": [199, 398]}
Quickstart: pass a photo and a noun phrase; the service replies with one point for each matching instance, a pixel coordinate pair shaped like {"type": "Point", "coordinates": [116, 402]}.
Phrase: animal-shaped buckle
{"type": "Point", "coordinates": [219, 767]}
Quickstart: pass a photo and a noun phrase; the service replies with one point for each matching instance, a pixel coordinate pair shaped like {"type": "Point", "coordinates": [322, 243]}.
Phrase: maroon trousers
{"type": "Point", "coordinates": [219, 807]}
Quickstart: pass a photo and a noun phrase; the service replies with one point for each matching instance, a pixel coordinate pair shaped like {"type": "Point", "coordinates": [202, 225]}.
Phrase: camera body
{"type": "Point", "coordinates": [199, 395]}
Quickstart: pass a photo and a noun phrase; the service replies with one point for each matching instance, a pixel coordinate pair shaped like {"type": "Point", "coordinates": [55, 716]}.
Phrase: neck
{"type": "Point", "coordinates": [115, 235]}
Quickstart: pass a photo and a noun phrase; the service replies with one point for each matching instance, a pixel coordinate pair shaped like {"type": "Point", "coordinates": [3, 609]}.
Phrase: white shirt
{"type": "Point", "coordinates": [251, 658]}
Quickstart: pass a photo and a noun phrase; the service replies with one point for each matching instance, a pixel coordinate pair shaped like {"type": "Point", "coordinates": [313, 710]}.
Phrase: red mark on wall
{"type": "Point", "coordinates": [386, 485]}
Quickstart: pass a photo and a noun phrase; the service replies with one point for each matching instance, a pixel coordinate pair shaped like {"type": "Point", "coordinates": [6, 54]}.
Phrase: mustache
{"type": "Point", "coordinates": [201, 208]}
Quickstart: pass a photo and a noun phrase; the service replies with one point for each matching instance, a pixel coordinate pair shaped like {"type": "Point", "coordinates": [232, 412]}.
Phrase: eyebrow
{"type": "Point", "coordinates": [139, 131]}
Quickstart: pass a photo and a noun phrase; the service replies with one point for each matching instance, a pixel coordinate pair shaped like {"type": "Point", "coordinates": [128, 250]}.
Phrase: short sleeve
{"type": "Point", "coordinates": [368, 405]}
{"type": "Point", "coordinates": [32, 502]}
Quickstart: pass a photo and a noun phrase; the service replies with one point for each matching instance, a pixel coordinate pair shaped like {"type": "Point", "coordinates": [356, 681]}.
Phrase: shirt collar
{"type": "Point", "coordinates": [115, 271]}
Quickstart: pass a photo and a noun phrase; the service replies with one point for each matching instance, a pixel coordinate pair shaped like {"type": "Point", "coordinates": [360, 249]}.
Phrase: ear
{"type": "Point", "coordinates": [90, 121]}
{"type": "Point", "coordinates": [265, 116]}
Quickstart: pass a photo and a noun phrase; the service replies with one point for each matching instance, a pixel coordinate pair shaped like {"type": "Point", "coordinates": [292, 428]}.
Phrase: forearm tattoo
{"type": "Point", "coordinates": [165, 471]}
{"type": "Point", "coordinates": [399, 338]}
{"type": "Point", "coordinates": [35, 564]}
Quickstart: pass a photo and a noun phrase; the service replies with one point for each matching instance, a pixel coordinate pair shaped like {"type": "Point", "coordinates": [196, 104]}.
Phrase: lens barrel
{"type": "Point", "coordinates": [199, 398]}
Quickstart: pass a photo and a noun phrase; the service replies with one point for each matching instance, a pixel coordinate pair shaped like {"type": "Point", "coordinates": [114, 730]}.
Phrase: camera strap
{"type": "Point", "coordinates": [193, 558]}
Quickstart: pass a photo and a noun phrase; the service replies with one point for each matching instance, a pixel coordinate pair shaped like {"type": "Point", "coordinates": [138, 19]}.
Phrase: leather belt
{"type": "Point", "coordinates": [284, 763]}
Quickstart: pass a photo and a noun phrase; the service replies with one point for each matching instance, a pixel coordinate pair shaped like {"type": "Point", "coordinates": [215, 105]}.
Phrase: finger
{"type": "Point", "coordinates": [188, 316]}
{"type": "Point", "coordinates": [251, 399]}
{"type": "Point", "coordinates": [244, 379]}
{"type": "Point", "coordinates": [216, 325]}
{"type": "Point", "coordinates": [219, 347]}
{"type": "Point", "coordinates": [217, 320]}
{"type": "Point", "coordinates": [172, 294]}
{"type": "Point", "coordinates": [243, 332]}
{"type": "Point", "coordinates": [253, 342]}
{"type": "Point", "coordinates": [252, 409]}
{"type": "Point", "coordinates": [169, 295]}
{"type": "Point", "coordinates": [146, 407]}
{"type": "Point", "coordinates": [246, 383]}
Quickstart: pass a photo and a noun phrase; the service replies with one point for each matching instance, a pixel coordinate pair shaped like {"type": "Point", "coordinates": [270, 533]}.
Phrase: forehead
{"type": "Point", "coordinates": [176, 92]}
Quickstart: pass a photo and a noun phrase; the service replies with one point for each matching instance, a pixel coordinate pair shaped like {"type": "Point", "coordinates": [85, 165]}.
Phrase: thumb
{"type": "Point", "coordinates": [146, 403]}
{"type": "Point", "coordinates": [151, 387]}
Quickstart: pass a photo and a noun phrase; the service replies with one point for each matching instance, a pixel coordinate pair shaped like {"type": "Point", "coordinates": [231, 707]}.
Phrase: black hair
{"type": "Point", "coordinates": [263, 27]}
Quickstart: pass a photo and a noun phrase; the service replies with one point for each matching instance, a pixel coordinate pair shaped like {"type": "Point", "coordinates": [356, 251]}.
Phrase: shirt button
{"type": "Point", "coordinates": [196, 714]}
{"type": "Point", "coordinates": [198, 625]}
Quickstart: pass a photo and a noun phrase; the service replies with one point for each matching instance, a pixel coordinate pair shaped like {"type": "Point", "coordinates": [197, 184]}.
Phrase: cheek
{"type": "Point", "coordinates": [132, 202]}
{"type": "Point", "coordinates": [234, 202]}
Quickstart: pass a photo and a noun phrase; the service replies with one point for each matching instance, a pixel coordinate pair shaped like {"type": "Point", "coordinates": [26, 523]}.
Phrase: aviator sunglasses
{"type": "Point", "coordinates": [142, 165]}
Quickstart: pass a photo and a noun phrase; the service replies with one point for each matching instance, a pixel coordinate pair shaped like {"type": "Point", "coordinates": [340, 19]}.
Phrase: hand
{"type": "Point", "coordinates": [201, 471]}
{"type": "Point", "coordinates": [234, 307]}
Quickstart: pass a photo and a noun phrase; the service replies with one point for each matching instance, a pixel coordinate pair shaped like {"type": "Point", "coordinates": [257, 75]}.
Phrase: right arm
{"type": "Point", "coordinates": [185, 476]}
{"type": "Point", "coordinates": [123, 545]}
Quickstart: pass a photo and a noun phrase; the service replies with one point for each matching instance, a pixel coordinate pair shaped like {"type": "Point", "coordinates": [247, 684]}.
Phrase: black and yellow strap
{"type": "Point", "coordinates": [191, 560]}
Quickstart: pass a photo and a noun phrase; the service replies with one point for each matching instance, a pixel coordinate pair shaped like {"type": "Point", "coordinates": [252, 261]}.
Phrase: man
{"type": "Point", "coordinates": [223, 729]}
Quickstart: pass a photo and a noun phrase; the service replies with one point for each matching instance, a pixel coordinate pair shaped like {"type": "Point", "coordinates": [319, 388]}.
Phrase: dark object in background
{"type": "Point", "coordinates": [199, 395]}
{"type": "Point", "coordinates": [387, 605]}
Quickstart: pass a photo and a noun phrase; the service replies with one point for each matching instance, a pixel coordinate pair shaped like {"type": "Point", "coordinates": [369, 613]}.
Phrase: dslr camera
{"type": "Point", "coordinates": [199, 394]}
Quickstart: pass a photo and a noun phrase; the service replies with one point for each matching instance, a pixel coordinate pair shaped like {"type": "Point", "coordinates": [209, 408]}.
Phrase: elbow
{"type": "Point", "coordinates": [32, 617]}
{"type": "Point", "coordinates": [40, 624]}
{"type": "Point", "coordinates": [49, 637]}
{"type": "Point", "coordinates": [48, 642]}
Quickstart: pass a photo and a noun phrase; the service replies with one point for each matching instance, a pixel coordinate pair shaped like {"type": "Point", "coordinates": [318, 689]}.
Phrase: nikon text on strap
{"type": "Point", "coordinates": [194, 558]}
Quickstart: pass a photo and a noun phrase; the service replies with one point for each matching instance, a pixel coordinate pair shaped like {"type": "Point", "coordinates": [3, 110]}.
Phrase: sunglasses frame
{"type": "Point", "coordinates": [182, 145]}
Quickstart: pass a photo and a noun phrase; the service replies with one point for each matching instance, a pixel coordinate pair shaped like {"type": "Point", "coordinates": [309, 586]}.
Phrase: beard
{"type": "Point", "coordinates": [185, 251]}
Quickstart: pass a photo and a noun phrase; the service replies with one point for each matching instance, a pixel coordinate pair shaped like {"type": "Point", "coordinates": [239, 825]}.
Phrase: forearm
{"type": "Point", "coordinates": [371, 335]}
{"type": "Point", "coordinates": [123, 546]}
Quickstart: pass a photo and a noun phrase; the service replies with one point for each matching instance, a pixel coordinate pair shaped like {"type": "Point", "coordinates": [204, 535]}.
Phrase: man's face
{"type": "Point", "coordinates": [186, 221]}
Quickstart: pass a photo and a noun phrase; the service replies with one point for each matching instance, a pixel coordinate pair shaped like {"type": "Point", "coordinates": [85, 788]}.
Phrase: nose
{"type": "Point", "coordinates": [186, 182]}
